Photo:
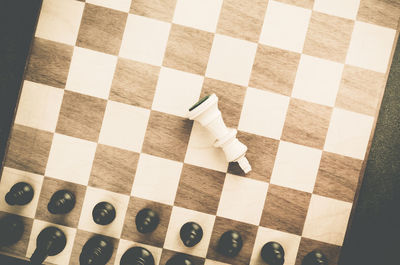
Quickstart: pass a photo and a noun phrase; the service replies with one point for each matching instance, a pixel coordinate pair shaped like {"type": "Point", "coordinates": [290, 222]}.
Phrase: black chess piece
{"type": "Point", "coordinates": [230, 243]}
{"type": "Point", "coordinates": [103, 213]}
{"type": "Point", "coordinates": [137, 256]}
{"type": "Point", "coordinates": [191, 233]}
{"type": "Point", "coordinates": [96, 251]}
{"type": "Point", "coordinates": [147, 220]}
{"type": "Point", "coordinates": [11, 229]}
{"type": "Point", "coordinates": [273, 254]}
{"type": "Point", "coordinates": [20, 194]}
{"type": "Point", "coordinates": [61, 202]}
{"type": "Point", "coordinates": [49, 242]}
{"type": "Point", "coordinates": [315, 257]}
{"type": "Point", "coordinates": [179, 259]}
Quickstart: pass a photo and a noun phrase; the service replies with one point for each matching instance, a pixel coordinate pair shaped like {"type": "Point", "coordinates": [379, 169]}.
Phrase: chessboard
{"type": "Point", "coordinates": [102, 114]}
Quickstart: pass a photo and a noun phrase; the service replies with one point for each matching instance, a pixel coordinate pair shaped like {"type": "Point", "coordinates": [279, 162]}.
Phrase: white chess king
{"type": "Point", "coordinates": [206, 112]}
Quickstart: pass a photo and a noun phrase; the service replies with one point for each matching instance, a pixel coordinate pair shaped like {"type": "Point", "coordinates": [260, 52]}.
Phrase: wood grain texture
{"type": "Point", "coordinates": [188, 49]}
{"type": "Point", "coordinates": [134, 83]}
{"type": "Point", "coordinates": [167, 254]}
{"type": "Point", "coordinates": [306, 123]}
{"type": "Point", "coordinates": [113, 169]}
{"type": "Point", "coordinates": [29, 149]}
{"type": "Point", "coordinates": [360, 90]}
{"type": "Point", "coordinates": [167, 136]}
{"type": "Point", "coordinates": [157, 237]}
{"type": "Point", "coordinates": [19, 248]}
{"type": "Point", "coordinates": [199, 189]}
{"type": "Point", "coordinates": [261, 154]}
{"type": "Point", "coordinates": [81, 238]}
{"type": "Point", "coordinates": [230, 99]}
{"type": "Point", "coordinates": [101, 29]}
{"type": "Point", "coordinates": [274, 69]}
{"type": "Point", "coordinates": [384, 12]}
{"type": "Point", "coordinates": [81, 116]}
{"type": "Point", "coordinates": [49, 63]}
{"type": "Point", "coordinates": [301, 3]}
{"type": "Point", "coordinates": [158, 9]}
{"type": "Point", "coordinates": [242, 19]}
{"type": "Point", "coordinates": [338, 177]}
{"type": "Point", "coordinates": [328, 37]}
{"type": "Point", "coordinates": [308, 245]}
{"type": "Point", "coordinates": [248, 233]}
{"type": "Point", "coordinates": [285, 209]}
{"type": "Point", "coordinates": [49, 187]}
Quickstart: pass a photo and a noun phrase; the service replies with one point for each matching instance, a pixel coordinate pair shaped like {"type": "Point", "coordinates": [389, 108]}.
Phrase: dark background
{"type": "Point", "coordinates": [374, 234]}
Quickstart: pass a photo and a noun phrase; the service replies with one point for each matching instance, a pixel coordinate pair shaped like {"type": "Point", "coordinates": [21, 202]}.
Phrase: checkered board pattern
{"type": "Point", "coordinates": [102, 113]}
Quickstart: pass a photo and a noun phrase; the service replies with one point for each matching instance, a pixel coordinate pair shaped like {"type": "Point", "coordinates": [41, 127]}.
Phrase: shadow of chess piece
{"type": "Point", "coordinates": [230, 243]}
{"type": "Point", "coordinates": [61, 202]}
{"type": "Point", "coordinates": [96, 251]}
{"type": "Point", "coordinates": [273, 254]}
{"type": "Point", "coordinates": [179, 259]}
{"type": "Point", "coordinates": [20, 194]}
{"type": "Point", "coordinates": [147, 220]}
{"type": "Point", "coordinates": [103, 213]}
{"type": "Point", "coordinates": [49, 242]}
{"type": "Point", "coordinates": [315, 257]}
{"type": "Point", "coordinates": [137, 256]}
{"type": "Point", "coordinates": [11, 230]}
{"type": "Point", "coordinates": [191, 233]}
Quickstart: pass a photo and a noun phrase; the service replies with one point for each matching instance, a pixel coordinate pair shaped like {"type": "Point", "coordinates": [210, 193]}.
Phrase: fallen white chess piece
{"type": "Point", "coordinates": [206, 112]}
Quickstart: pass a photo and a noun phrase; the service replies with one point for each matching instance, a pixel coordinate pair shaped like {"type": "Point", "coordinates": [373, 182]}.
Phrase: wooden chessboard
{"type": "Point", "coordinates": [102, 113]}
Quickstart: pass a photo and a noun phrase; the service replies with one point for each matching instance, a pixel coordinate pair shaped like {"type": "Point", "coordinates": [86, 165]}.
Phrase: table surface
{"type": "Point", "coordinates": [310, 99]}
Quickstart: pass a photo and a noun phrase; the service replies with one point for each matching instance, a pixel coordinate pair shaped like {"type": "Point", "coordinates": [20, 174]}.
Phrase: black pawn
{"type": "Point", "coordinates": [20, 194]}
{"type": "Point", "coordinates": [96, 251]}
{"type": "Point", "coordinates": [103, 213]}
{"type": "Point", "coordinates": [49, 242]}
{"type": "Point", "coordinates": [179, 259]}
{"type": "Point", "coordinates": [147, 220]}
{"type": "Point", "coordinates": [273, 254]}
{"type": "Point", "coordinates": [315, 257]}
{"type": "Point", "coordinates": [61, 202]}
{"type": "Point", "coordinates": [230, 243]}
{"type": "Point", "coordinates": [191, 233]}
{"type": "Point", "coordinates": [137, 256]}
{"type": "Point", "coordinates": [11, 229]}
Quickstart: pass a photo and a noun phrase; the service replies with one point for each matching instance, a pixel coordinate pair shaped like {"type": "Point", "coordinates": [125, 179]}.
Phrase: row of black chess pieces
{"type": "Point", "coordinates": [61, 202]}
{"type": "Point", "coordinates": [98, 250]}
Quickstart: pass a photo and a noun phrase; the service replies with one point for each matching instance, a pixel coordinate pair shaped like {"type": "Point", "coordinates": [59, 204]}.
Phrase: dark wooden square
{"type": "Point", "coordinates": [188, 49]}
{"type": "Point", "coordinates": [199, 189]}
{"type": "Point", "coordinates": [28, 149]}
{"type": "Point", "coordinates": [274, 70]}
{"type": "Point", "coordinates": [167, 254]}
{"type": "Point", "coordinates": [155, 238]}
{"type": "Point", "coordinates": [338, 176]}
{"type": "Point", "coordinates": [134, 83]}
{"type": "Point", "coordinates": [19, 249]}
{"type": "Point", "coordinates": [113, 169]}
{"type": "Point", "coordinates": [158, 9]}
{"type": "Point", "coordinates": [49, 187]}
{"type": "Point", "coordinates": [261, 154]}
{"type": "Point", "coordinates": [167, 136]}
{"type": "Point", "coordinates": [230, 99]}
{"type": "Point", "coordinates": [307, 245]}
{"type": "Point", "coordinates": [81, 116]}
{"type": "Point", "coordinates": [49, 63]}
{"type": "Point", "coordinates": [306, 123]}
{"type": "Point", "coordinates": [81, 238]}
{"type": "Point", "coordinates": [248, 233]}
{"type": "Point", "coordinates": [285, 209]}
{"type": "Point", "coordinates": [101, 29]}
{"type": "Point", "coordinates": [328, 37]}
